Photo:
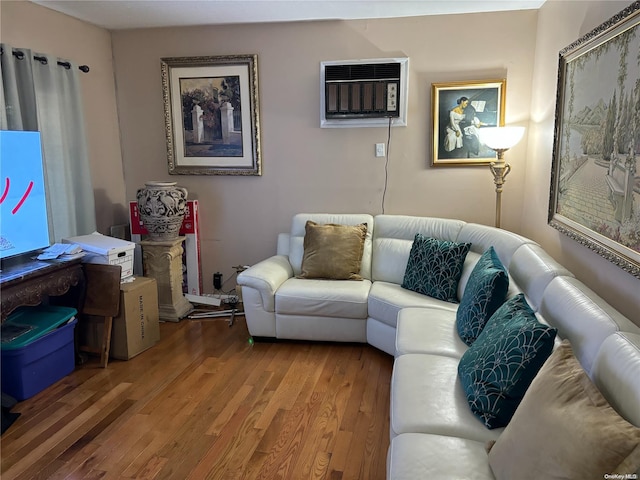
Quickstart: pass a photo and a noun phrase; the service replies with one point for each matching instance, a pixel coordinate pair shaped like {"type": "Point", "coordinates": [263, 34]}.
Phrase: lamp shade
{"type": "Point", "coordinates": [501, 138]}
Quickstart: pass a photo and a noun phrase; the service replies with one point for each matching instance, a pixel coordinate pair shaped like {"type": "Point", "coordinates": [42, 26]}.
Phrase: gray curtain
{"type": "Point", "coordinates": [46, 97]}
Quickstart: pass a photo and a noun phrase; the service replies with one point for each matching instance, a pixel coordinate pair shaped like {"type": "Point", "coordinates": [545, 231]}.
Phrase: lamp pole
{"type": "Point", "coordinates": [500, 139]}
{"type": "Point", "coordinates": [500, 170]}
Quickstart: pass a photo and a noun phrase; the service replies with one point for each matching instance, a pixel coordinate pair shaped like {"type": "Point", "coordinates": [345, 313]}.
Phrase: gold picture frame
{"type": "Point", "coordinates": [460, 109]}
{"type": "Point", "coordinates": [595, 185]}
{"type": "Point", "coordinates": [212, 119]}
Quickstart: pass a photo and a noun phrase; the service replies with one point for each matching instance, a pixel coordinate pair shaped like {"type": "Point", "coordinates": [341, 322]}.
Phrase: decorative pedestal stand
{"type": "Point", "coordinates": [162, 260]}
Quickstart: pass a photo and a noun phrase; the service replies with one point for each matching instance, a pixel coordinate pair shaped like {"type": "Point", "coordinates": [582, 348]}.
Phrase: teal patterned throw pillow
{"type": "Point", "coordinates": [434, 267]}
{"type": "Point", "coordinates": [497, 369]}
{"type": "Point", "coordinates": [485, 291]}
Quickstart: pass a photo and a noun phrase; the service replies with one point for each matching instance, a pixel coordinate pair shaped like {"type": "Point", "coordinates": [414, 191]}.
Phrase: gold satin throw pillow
{"type": "Point", "coordinates": [564, 428]}
{"type": "Point", "coordinates": [333, 251]}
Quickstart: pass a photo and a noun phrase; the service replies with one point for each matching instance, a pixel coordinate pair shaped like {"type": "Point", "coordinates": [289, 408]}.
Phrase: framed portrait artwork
{"type": "Point", "coordinates": [595, 182]}
{"type": "Point", "coordinates": [460, 110]}
{"type": "Point", "coordinates": [212, 115]}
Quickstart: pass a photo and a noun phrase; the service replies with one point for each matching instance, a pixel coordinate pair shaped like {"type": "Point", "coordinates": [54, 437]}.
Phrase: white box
{"type": "Point", "coordinates": [103, 249]}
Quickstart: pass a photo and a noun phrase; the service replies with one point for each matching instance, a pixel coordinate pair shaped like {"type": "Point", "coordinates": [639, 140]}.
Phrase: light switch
{"type": "Point", "coordinates": [379, 149]}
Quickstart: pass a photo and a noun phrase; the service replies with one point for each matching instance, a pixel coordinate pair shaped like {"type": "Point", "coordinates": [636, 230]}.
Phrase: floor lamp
{"type": "Point", "coordinates": [500, 139]}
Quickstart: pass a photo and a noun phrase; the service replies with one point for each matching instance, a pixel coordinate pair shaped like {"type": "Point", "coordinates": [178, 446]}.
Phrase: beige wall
{"type": "Point", "coordinates": [560, 23]}
{"type": "Point", "coordinates": [26, 25]}
{"type": "Point", "coordinates": [307, 168]}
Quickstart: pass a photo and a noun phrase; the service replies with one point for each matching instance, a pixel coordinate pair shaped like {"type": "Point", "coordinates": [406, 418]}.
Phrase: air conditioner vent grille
{"type": "Point", "coordinates": [355, 72]}
{"type": "Point", "coordinates": [364, 93]}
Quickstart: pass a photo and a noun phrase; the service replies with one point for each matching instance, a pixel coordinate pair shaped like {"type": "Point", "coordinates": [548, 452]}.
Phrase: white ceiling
{"type": "Point", "coordinates": [124, 14]}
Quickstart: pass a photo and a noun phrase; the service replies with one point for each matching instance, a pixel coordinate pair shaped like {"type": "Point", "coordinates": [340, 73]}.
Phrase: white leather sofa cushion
{"type": "Point", "coordinates": [387, 299]}
{"type": "Point", "coordinates": [325, 298]}
{"type": "Point", "coordinates": [414, 456]}
{"type": "Point", "coordinates": [282, 246]}
{"type": "Point", "coordinates": [616, 372]}
{"type": "Point", "coordinates": [393, 237]}
{"type": "Point", "coordinates": [433, 331]}
{"type": "Point", "coordinates": [469, 263]}
{"type": "Point", "coordinates": [296, 239]}
{"type": "Point", "coordinates": [533, 269]}
{"type": "Point", "coordinates": [426, 397]}
{"type": "Point", "coordinates": [428, 330]}
{"type": "Point", "coordinates": [582, 316]}
{"type": "Point", "coordinates": [321, 328]}
{"type": "Point", "coordinates": [482, 237]}
{"type": "Point", "coordinates": [390, 256]}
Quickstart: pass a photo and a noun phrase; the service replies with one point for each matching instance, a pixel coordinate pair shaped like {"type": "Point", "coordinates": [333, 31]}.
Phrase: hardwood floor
{"type": "Point", "coordinates": [205, 404]}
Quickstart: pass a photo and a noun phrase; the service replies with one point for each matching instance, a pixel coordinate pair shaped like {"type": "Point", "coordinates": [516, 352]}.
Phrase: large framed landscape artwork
{"type": "Point", "coordinates": [595, 182]}
{"type": "Point", "coordinates": [212, 115]}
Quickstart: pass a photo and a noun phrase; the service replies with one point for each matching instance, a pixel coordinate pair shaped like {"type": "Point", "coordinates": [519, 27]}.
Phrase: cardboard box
{"type": "Point", "coordinates": [136, 328]}
{"type": "Point", "coordinates": [108, 250]}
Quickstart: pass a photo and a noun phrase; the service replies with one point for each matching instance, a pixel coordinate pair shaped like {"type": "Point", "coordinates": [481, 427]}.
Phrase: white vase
{"type": "Point", "coordinates": [162, 206]}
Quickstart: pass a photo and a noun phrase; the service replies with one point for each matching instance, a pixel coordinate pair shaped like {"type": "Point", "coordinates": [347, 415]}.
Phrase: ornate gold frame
{"type": "Point", "coordinates": [596, 156]}
{"type": "Point", "coordinates": [490, 94]}
{"type": "Point", "coordinates": [197, 80]}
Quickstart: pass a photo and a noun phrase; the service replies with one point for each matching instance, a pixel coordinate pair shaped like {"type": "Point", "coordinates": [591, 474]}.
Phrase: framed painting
{"type": "Point", "coordinates": [595, 187]}
{"type": "Point", "coordinates": [211, 114]}
{"type": "Point", "coordinates": [460, 110]}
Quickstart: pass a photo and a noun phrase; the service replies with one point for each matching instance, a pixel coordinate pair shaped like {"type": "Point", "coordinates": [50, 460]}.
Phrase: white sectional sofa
{"type": "Point", "coordinates": [434, 433]}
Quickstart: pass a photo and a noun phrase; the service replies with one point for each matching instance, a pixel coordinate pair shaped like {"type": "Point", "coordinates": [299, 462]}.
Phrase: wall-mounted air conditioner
{"type": "Point", "coordinates": [364, 93]}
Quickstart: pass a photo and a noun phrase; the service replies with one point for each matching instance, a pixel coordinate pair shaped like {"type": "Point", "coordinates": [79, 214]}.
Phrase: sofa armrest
{"type": "Point", "coordinates": [266, 277]}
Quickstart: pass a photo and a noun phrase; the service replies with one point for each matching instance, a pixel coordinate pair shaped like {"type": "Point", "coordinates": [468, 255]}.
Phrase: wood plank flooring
{"type": "Point", "coordinates": [205, 404]}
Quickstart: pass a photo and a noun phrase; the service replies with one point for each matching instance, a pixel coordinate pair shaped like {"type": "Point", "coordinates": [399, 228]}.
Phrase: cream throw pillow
{"type": "Point", "coordinates": [565, 429]}
{"type": "Point", "coordinates": [333, 251]}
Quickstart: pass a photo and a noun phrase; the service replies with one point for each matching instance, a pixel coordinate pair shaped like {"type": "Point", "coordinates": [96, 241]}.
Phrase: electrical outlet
{"type": "Point", "coordinates": [379, 149]}
{"type": "Point", "coordinates": [217, 280]}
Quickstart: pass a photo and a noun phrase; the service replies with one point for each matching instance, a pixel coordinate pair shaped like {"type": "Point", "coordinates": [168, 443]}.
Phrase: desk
{"type": "Point", "coordinates": [32, 282]}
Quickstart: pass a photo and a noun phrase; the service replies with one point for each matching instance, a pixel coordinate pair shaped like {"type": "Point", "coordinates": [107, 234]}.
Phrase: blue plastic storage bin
{"type": "Point", "coordinates": [29, 366]}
